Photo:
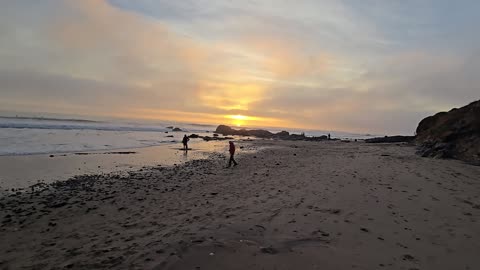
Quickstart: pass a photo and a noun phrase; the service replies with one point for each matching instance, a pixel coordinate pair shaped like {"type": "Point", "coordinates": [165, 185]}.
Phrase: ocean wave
{"type": "Point", "coordinates": [81, 127]}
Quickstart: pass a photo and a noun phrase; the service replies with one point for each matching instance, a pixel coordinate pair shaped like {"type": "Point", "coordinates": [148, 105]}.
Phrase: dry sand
{"type": "Point", "coordinates": [295, 205]}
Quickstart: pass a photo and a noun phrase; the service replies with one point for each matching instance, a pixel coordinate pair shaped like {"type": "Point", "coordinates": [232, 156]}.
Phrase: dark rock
{"type": "Point", "coordinates": [194, 136]}
{"type": "Point", "coordinates": [177, 129]}
{"type": "Point", "coordinates": [268, 250]}
{"type": "Point", "coordinates": [58, 205]}
{"type": "Point", "coordinates": [207, 138]}
{"type": "Point", "coordinates": [391, 139]}
{"type": "Point", "coordinates": [226, 131]}
{"type": "Point", "coordinates": [282, 134]}
{"type": "Point", "coordinates": [453, 134]}
{"type": "Point", "coordinates": [265, 134]}
{"type": "Point", "coordinates": [408, 257]}
{"type": "Point", "coordinates": [119, 153]}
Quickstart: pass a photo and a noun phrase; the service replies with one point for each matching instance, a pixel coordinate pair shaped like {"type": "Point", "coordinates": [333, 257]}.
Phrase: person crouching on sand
{"type": "Point", "coordinates": [232, 155]}
{"type": "Point", "coordinates": [185, 142]}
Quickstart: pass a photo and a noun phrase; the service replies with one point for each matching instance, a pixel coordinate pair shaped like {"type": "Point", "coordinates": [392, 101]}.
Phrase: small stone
{"type": "Point", "coordinates": [269, 250]}
{"type": "Point", "coordinates": [408, 257]}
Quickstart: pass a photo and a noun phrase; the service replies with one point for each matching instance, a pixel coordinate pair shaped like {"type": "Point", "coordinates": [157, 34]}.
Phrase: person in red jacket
{"type": "Point", "coordinates": [232, 154]}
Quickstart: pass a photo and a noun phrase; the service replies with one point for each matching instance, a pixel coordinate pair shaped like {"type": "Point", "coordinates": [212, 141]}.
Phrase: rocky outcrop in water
{"type": "Point", "coordinates": [265, 134]}
{"type": "Point", "coordinates": [208, 138]}
{"type": "Point", "coordinates": [453, 134]}
{"type": "Point", "coordinates": [228, 131]}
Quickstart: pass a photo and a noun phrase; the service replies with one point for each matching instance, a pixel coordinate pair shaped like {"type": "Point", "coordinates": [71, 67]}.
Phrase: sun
{"type": "Point", "coordinates": [239, 117]}
{"type": "Point", "coordinates": [238, 120]}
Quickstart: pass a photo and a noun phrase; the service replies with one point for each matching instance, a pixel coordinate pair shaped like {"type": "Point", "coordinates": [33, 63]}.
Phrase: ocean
{"type": "Point", "coordinates": [26, 136]}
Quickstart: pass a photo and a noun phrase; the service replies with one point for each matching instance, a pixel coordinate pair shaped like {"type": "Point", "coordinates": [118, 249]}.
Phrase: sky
{"type": "Point", "coordinates": [347, 65]}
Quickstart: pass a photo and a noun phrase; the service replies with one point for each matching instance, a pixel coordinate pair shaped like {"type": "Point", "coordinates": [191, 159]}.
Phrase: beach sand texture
{"type": "Point", "coordinates": [292, 205]}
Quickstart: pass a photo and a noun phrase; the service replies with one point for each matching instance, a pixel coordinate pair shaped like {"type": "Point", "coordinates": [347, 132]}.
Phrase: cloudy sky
{"type": "Point", "coordinates": [353, 65]}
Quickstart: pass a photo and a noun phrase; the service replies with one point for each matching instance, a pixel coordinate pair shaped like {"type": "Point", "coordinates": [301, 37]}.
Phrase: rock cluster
{"type": "Point", "coordinates": [453, 134]}
{"type": "Point", "coordinates": [265, 134]}
{"type": "Point", "coordinates": [228, 131]}
{"type": "Point", "coordinates": [391, 139]}
{"type": "Point", "coordinates": [208, 138]}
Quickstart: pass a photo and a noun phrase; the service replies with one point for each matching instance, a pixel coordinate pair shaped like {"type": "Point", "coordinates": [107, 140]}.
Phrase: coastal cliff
{"type": "Point", "coordinates": [453, 134]}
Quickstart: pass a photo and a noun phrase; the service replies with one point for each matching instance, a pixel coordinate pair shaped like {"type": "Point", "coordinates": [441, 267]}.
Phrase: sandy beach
{"type": "Point", "coordinates": [291, 205]}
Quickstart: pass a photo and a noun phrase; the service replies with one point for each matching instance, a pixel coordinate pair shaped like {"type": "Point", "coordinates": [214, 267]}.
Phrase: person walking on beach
{"type": "Point", "coordinates": [232, 154]}
{"type": "Point", "coordinates": [185, 142]}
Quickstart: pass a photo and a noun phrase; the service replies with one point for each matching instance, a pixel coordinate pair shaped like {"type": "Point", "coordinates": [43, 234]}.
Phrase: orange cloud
{"type": "Point", "coordinates": [285, 58]}
{"type": "Point", "coordinates": [106, 43]}
{"type": "Point", "coordinates": [230, 95]}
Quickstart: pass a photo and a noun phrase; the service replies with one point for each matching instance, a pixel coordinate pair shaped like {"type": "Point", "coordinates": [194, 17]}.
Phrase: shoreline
{"type": "Point", "coordinates": [292, 205]}
{"type": "Point", "coordinates": [22, 171]}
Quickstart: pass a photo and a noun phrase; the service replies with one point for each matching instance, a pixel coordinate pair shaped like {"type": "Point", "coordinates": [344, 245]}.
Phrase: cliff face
{"type": "Point", "coordinates": [453, 134]}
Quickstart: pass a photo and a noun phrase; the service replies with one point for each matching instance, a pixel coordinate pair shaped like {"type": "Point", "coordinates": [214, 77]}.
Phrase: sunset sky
{"type": "Point", "coordinates": [362, 66]}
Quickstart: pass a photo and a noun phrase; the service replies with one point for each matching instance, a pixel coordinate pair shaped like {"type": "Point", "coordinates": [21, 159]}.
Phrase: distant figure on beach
{"type": "Point", "coordinates": [185, 142]}
{"type": "Point", "coordinates": [232, 155]}
{"type": "Point", "coordinates": [328, 136]}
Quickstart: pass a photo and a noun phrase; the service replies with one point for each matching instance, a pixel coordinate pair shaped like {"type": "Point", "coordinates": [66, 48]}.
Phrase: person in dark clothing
{"type": "Point", "coordinates": [232, 154]}
{"type": "Point", "coordinates": [185, 142]}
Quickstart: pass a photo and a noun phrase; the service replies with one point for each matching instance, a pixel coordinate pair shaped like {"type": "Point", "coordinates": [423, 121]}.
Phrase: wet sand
{"type": "Point", "coordinates": [294, 205]}
{"type": "Point", "coordinates": [25, 170]}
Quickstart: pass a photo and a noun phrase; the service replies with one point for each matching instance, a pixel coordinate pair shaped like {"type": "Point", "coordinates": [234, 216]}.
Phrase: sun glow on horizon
{"type": "Point", "coordinates": [240, 120]}
{"type": "Point", "coordinates": [239, 117]}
